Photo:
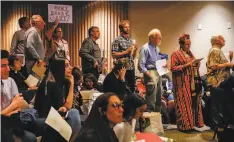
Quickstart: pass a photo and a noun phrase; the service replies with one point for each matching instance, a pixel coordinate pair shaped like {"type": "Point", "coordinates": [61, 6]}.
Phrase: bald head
{"type": "Point", "coordinates": [155, 37]}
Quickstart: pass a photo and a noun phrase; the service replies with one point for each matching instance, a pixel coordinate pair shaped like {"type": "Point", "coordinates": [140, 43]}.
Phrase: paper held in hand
{"type": "Point", "coordinates": [39, 70]}
{"type": "Point", "coordinates": [55, 121]}
{"type": "Point", "coordinates": [31, 81]}
{"type": "Point", "coordinates": [159, 65]}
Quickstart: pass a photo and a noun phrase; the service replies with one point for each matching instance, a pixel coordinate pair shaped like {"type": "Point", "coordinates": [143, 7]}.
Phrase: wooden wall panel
{"type": "Point", "coordinates": [106, 15]}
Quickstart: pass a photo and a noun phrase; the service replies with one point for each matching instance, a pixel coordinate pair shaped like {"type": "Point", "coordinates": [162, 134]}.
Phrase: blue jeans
{"type": "Point", "coordinates": [73, 119]}
{"type": "Point", "coordinates": [29, 137]}
{"type": "Point", "coordinates": [49, 134]}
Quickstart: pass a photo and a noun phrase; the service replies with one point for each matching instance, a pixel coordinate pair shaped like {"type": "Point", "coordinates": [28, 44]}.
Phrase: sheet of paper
{"type": "Point", "coordinates": [55, 121]}
{"type": "Point", "coordinates": [159, 65]}
{"type": "Point", "coordinates": [31, 81]}
{"type": "Point", "coordinates": [86, 96]}
{"type": "Point", "coordinates": [39, 70]}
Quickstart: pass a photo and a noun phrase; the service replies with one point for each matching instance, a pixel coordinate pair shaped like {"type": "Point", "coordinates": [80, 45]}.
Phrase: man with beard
{"type": "Point", "coordinates": [124, 47]}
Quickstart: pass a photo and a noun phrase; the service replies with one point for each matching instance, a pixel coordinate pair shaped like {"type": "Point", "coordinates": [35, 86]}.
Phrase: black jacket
{"type": "Point", "coordinates": [89, 53]}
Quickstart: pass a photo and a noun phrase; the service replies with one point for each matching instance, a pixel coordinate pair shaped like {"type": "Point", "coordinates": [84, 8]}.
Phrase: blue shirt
{"type": "Point", "coordinates": [149, 54]}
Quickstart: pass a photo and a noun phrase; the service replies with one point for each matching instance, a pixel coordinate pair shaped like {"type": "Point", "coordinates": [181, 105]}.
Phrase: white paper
{"type": "Point", "coordinates": [159, 65]}
{"type": "Point", "coordinates": [133, 125]}
{"type": "Point", "coordinates": [31, 81]}
{"type": "Point", "coordinates": [63, 13]}
{"type": "Point", "coordinates": [55, 121]}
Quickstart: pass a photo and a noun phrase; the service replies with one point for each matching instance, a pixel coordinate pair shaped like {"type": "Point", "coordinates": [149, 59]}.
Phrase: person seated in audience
{"type": "Point", "coordinates": [11, 101]}
{"type": "Point", "coordinates": [134, 106]}
{"type": "Point", "coordinates": [90, 82]}
{"type": "Point", "coordinates": [104, 71]}
{"type": "Point", "coordinates": [168, 104]}
{"type": "Point", "coordinates": [140, 86]}
{"type": "Point", "coordinates": [17, 72]}
{"type": "Point", "coordinates": [115, 80]}
{"type": "Point", "coordinates": [78, 80]}
{"type": "Point", "coordinates": [57, 90]}
{"type": "Point", "coordinates": [106, 112]}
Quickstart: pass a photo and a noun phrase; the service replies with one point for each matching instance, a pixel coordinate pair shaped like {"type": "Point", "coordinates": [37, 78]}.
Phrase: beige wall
{"type": "Point", "coordinates": [175, 18]}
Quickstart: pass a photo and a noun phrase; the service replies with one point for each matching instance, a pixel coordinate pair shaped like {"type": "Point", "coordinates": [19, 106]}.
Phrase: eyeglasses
{"type": "Point", "coordinates": [4, 65]}
{"type": "Point", "coordinates": [116, 105]}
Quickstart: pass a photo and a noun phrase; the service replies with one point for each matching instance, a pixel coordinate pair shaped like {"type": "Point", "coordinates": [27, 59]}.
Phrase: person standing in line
{"type": "Point", "coordinates": [186, 86]}
{"type": "Point", "coordinates": [34, 52]}
{"type": "Point", "coordinates": [90, 53]}
{"type": "Point", "coordinates": [124, 47]}
{"type": "Point", "coordinates": [17, 42]}
{"type": "Point", "coordinates": [149, 54]}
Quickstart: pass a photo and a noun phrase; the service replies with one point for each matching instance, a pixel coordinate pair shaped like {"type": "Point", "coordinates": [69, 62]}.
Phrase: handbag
{"type": "Point", "coordinates": [153, 123]}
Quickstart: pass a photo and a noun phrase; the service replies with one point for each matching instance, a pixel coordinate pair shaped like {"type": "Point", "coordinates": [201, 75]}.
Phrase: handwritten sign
{"type": "Point", "coordinates": [61, 12]}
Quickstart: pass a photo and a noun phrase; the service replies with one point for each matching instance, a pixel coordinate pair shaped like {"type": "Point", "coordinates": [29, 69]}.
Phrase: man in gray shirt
{"type": "Point", "coordinates": [90, 53]}
{"type": "Point", "coordinates": [17, 42]}
{"type": "Point", "coordinates": [34, 45]}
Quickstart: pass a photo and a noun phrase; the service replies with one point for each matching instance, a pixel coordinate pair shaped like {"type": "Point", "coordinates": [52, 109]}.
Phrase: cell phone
{"type": "Point", "coordinates": [63, 114]}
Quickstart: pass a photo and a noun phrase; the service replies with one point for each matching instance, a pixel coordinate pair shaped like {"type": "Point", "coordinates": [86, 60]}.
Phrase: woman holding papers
{"type": "Point", "coordinates": [56, 90]}
{"type": "Point", "coordinates": [134, 106]}
{"type": "Point", "coordinates": [106, 112]}
{"type": "Point", "coordinates": [186, 86]}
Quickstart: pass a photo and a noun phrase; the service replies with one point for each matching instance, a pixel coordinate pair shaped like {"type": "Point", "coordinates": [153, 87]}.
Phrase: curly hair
{"type": "Point", "coordinates": [122, 23]}
{"type": "Point", "coordinates": [182, 38]}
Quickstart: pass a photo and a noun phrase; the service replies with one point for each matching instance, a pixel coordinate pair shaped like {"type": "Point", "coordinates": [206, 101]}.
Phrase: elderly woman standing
{"type": "Point", "coordinates": [218, 67]}
{"type": "Point", "coordinates": [186, 80]}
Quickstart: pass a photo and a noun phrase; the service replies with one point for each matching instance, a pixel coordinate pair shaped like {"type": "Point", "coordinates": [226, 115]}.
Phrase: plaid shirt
{"type": "Point", "coordinates": [122, 44]}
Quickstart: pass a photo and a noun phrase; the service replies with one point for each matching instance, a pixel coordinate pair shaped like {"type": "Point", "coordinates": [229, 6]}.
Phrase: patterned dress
{"type": "Point", "coordinates": [216, 57]}
{"type": "Point", "coordinates": [187, 91]}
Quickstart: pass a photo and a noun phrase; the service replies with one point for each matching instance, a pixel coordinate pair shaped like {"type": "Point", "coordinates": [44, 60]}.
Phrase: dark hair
{"type": "Point", "coordinates": [22, 20]}
{"type": "Point", "coordinates": [97, 120]}
{"type": "Point", "coordinates": [77, 74]}
{"type": "Point", "coordinates": [182, 38]}
{"type": "Point", "coordinates": [55, 31]}
{"type": "Point", "coordinates": [11, 59]}
{"type": "Point", "coordinates": [4, 54]}
{"type": "Point", "coordinates": [90, 76]}
{"type": "Point", "coordinates": [122, 23]}
{"type": "Point", "coordinates": [91, 29]}
{"type": "Point", "coordinates": [131, 103]}
{"type": "Point", "coordinates": [119, 64]}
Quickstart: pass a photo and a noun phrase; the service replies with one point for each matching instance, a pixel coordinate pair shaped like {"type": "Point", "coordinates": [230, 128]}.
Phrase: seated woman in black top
{"type": "Point", "coordinates": [56, 90]}
{"type": "Point", "coordinates": [106, 112]}
{"type": "Point", "coordinates": [17, 72]}
{"type": "Point", "coordinates": [115, 80]}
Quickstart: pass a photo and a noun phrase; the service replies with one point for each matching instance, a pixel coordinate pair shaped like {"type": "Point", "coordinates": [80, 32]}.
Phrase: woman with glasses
{"type": "Point", "coordinates": [186, 86]}
{"type": "Point", "coordinates": [56, 90]}
{"type": "Point", "coordinates": [106, 112]}
{"type": "Point", "coordinates": [134, 106]}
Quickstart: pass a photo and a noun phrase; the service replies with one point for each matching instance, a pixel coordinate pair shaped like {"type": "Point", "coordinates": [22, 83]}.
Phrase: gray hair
{"type": "Point", "coordinates": [215, 39]}
{"type": "Point", "coordinates": [154, 32]}
{"type": "Point", "coordinates": [35, 18]}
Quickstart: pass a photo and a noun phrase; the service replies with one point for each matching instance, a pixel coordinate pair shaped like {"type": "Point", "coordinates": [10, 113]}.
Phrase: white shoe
{"type": "Point", "coordinates": [204, 128]}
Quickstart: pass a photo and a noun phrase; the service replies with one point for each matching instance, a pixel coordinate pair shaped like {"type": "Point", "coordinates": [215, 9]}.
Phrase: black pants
{"type": "Point", "coordinates": [130, 79]}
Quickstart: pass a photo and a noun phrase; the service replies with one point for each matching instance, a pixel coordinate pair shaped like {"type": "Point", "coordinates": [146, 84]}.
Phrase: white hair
{"type": "Point", "coordinates": [154, 32]}
{"type": "Point", "coordinates": [35, 18]}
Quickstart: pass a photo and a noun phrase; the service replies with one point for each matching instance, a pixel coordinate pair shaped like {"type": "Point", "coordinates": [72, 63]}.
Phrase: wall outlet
{"type": "Point", "coordinates": [199, 26]}
{"type": "Point", "coordinates": [229, 25]}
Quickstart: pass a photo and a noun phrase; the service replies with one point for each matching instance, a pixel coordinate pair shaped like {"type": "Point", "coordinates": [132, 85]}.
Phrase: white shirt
{"type": "Point", "coordinates": [9, 90]}
{"type": "Point", "coordinates": [123, 132]}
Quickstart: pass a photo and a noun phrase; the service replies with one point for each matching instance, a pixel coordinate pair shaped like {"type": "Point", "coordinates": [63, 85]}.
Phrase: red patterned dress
{"type": "Point", "coordinates": [187, 91]}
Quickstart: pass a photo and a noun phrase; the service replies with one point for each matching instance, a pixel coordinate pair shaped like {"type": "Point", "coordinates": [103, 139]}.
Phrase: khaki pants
{"type": "Point", "coordinates": [153, 91]}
